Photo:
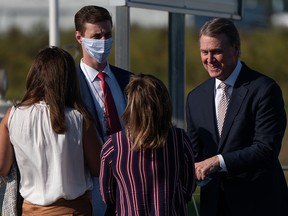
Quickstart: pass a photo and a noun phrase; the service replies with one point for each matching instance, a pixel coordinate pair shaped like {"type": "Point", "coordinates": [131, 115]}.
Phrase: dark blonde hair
{"type": "Point", "coordinates": [147, 117]}
{"type": "Point", "coordinates": [53, 78]}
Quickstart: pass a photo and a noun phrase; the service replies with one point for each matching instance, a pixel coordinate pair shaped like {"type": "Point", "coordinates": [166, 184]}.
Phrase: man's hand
{"type": "Point", "coordinates": [207, 167]}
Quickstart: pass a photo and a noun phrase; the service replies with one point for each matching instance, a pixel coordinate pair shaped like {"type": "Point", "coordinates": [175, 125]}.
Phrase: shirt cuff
{"type": "Point", "coordinates": [222, 163]}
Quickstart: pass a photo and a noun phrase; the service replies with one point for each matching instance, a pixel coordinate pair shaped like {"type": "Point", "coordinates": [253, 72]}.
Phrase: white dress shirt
{"type": "Point", "coordinates": [231, 82]}
{"type": "Point", "coordinates": [97, 92]}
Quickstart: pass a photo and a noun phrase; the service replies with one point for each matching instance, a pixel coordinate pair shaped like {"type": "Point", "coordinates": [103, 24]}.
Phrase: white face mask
{"type": "Point", "coordinates": [98, 49]}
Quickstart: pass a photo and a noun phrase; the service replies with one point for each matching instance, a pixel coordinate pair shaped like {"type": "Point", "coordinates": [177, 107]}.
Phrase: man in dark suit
{"type": "Point", "coordinates": [240, 160]}
{"type": "Point", "coordinates": [93, 27]}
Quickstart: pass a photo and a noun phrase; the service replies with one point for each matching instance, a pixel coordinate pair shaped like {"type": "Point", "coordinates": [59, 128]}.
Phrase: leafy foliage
{"type": "Point", "coordinates": [262, 50]}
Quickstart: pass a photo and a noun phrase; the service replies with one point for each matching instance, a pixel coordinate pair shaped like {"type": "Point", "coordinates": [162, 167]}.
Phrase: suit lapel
{"type": "Point", "coordinates": [88, 99]}
{"type": "Point", "coordinates": [208, 99]}
{"type": "Point", "coordinates": [239, 93]}
{"type": "Point", "coordinates": [86, 94]}
{"type": "Point", "coordinates": [122, 77]}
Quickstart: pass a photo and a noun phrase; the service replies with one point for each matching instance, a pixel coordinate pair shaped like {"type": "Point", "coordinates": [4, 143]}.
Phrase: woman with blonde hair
{"type": "Point", "coordinates": [148, 169]}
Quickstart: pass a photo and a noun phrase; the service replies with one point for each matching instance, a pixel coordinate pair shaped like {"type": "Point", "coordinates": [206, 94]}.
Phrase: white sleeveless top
{"type": "Point", "coordinates": [51, 165]}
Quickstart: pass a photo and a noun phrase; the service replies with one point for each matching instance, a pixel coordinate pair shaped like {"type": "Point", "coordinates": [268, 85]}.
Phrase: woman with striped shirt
{"type": "Point", "coordinates": [148, 169]}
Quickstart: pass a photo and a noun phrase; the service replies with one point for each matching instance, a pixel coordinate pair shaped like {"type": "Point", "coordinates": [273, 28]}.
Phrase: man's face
{"type": "Point", "coordinates": [218, 57]}
{"type": "Point", "coordinates": [100, 31]}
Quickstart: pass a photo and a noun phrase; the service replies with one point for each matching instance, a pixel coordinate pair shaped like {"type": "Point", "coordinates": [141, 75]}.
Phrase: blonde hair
{"type": "Point", "coordinates": [147, 117]}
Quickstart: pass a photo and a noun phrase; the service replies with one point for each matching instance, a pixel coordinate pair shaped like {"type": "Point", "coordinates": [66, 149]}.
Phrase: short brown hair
{"type": "Point", "coordinates": [90, 14]}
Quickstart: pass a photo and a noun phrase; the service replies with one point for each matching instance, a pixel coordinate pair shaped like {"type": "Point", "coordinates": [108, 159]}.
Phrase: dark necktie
{"type": "Point", "coordinates": [222, 106]}
{"type": "Point", "coordinates": [111, 111]}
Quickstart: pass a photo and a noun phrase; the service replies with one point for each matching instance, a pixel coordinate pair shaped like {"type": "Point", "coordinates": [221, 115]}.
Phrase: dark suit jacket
{"type": "Point", "coordinates": [122, 76]}
{"type": "Point", "coordinates": [254, 183]}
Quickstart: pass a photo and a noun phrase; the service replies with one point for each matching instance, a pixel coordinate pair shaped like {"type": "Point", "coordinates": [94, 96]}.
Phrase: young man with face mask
{"type": "Point", "coordinates": [93, 25]}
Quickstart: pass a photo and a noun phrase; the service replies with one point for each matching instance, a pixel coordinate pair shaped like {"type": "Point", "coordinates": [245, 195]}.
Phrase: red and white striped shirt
{"type": "Point", "coordinates": [157, 182]}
